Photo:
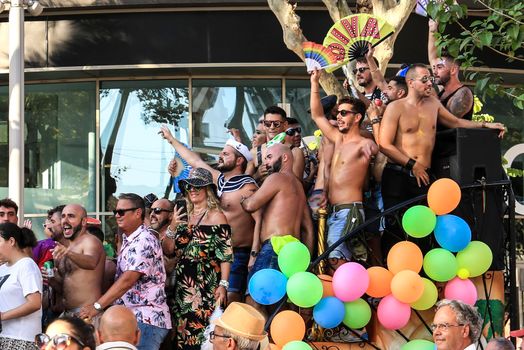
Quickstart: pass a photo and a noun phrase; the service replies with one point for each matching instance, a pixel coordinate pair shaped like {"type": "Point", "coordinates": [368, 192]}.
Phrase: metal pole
{"type": "Point", "coordinates": [16, 105]}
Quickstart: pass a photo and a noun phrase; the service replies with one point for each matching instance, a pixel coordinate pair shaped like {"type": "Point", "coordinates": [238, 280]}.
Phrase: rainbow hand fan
{"type": "Point", "coordinates": [349, 37]}
{"type": "Point", "coordinates": [317, 56]}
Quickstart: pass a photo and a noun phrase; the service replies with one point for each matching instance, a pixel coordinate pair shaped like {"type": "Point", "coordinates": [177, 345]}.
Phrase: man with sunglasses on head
{"type": "Point", "coordinates": [79, 265]}
{"type": "Point", "coordinates": [232, 185]}
{"type": "Point", "coordinates": [140, 276]}
{"type": "Point", "coordinates": [349, 166]}
{"type": "Point", "coordinates": [407, 137]}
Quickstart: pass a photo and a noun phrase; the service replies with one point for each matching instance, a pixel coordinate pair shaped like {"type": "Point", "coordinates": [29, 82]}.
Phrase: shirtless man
{"type": "Point", "coordinates": [407, 137]}
{"type": "Point", "coordinates": [276, 122]}
{"type": "Point", "coordinates": [349, 166]}
{"type": "Point", "coordinates": [232, 185]}
{"type": "Point", "coordinates": [80, 266]}
{"type": "Point", "coordinates": [283, 202]}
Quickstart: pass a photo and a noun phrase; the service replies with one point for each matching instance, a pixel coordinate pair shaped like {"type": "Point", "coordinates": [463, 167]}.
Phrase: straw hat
{"type": "Point", "coordinates": [242, 320]}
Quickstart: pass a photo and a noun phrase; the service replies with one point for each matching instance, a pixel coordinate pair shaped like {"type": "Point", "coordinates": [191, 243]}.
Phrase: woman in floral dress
{"type": "Point", "coordinates": [202, 242]}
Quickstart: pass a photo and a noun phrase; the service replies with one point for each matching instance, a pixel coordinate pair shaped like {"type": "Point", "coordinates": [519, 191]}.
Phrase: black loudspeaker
{"type": "Point", "coordinates": [467, 155]}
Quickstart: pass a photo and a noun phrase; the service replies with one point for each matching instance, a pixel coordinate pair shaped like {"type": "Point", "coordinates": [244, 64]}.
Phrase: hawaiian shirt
{"type": "Point", "coordinates": [141, 251]}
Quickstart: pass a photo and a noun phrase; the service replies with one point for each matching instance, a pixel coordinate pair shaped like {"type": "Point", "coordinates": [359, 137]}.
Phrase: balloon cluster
{"type": "Point", "coordinates": [338, 300]}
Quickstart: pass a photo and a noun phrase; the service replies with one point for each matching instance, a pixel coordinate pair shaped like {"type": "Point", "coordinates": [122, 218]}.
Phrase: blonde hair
{"type": "Point", "coordinates": [212, 201]}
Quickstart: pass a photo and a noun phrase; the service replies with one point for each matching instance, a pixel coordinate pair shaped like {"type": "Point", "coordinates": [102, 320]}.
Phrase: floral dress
{"type": "Point", "coordinates": [201, 250]}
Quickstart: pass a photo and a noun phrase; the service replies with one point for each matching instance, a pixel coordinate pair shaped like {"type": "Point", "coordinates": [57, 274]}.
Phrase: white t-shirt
{"type": "Point", "coordinates": [16, 282]}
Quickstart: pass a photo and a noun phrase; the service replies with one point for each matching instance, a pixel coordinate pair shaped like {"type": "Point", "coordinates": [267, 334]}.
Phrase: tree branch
{"type": "Point", "coordinates": [337, 9]}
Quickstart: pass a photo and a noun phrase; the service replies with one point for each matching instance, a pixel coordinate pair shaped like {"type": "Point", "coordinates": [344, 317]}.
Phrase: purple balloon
{"type": "Point", "coordinates": [350, 281]}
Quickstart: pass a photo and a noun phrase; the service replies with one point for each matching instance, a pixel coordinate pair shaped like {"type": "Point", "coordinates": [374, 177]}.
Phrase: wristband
{"type": "Point", "coordinates": [410, 164]}
{"type": "Point", "coordinates": [224, 284]}
{"type": "Point", "coordinates": [375, 121]}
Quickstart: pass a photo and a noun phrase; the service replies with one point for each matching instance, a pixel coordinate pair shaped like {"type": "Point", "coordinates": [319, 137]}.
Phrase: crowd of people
{"type": "Point", "coordinates": [177, 261]}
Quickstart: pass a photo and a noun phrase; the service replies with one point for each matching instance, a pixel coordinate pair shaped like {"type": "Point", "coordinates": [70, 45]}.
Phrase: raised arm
{"type": "Point", "coordinates": [432, 47]}
{"type": "Point", "coordinates": [449, 120]}
{"type": "Point", "coordinates": [317, 112]}
{"type": "Point", "coordinates": [376, 74]}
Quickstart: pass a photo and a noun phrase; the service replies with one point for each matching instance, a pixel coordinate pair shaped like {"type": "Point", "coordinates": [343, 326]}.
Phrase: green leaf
{"type": "Point", "coordinates": [513, 31]}
{"type": "Point", "coordinates": [485, 38]}
{"type": "Point", "coordinates": [465, 42]}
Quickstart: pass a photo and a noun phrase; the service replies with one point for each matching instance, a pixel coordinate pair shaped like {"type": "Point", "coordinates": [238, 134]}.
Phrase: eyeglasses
{"type": "Point", "coordinates": [213, 335]}
{"type": "Point", "coordinates": [121, 212]}
{"type": "Point", "coordinates": [193, 188]}
{"type": "Point", "coordinates": [360, 70]}
{"type": "Point", "coordinates": [443, 326]}
{"type": "Point", "coordinates": [276, 123]}
{"type": "Point", "coordinates": [343, 112]}
{"type": "Point", "coordinates": [293, 131]}
{"type": "Point", "coordinates": [425, 79]}
{"type": "Point", "coordinates": [160, 210]}
{"type": "Point", "coordinates": [60, 341]}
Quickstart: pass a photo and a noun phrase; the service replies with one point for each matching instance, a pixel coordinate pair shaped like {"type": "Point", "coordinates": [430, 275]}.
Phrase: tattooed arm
{"type": "Point", "coordinates": [461, 102]}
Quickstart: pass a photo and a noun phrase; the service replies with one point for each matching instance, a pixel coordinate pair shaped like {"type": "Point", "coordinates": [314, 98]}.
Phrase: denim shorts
{"type": "Point", "coordinates": [238, 274]}
{"type": "Point", "coordinates": [151, 337]}
{"type": "Point", "coordinates": [266, 259]}
{"type": "Point", "coordinates": [339, 223]}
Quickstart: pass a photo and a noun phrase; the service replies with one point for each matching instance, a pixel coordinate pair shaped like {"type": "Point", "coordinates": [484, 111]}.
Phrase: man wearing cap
{"type": "Point", "coordinates": [241, 327]}
{"type": "Point", "coordinates": [232, 184]}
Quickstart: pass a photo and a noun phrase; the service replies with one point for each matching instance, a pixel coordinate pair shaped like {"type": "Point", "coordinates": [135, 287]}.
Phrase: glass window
{"type": "Point", "coordinates": [219, 105]}
{"type": "Point", "coordinates": [134, 157]}
{"type": "Point", "coordinates": [59, 145]}
{"type": "Point", "coordinates": [298, 95]}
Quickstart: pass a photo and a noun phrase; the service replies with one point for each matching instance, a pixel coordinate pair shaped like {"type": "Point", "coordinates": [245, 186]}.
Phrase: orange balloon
{"type": "Point", "coordinates": [273, 347]}
{"type": "Point", "coordinates": [287, 326]}
{"type": "Point", "coordinates": [327, 285]}
{"type": "Point", "coordinates": [379, 282]}
{"type": "Point", "coordinates": [404, 255]}
{"type": "Point", "coordinates": [407, 286]}
{"type": "Point", "coordinates": [443, 196]}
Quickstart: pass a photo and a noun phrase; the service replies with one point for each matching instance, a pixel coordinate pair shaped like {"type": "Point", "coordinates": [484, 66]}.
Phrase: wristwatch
{"type": "Point", "coordinates": [224, 284]}
{"type": "Point", "coordinates": [97, 306]}
{"type": "Point", "coordinates": [253, 253]}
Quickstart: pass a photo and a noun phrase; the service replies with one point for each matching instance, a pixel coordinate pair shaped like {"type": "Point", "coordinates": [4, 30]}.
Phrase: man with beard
{"type": "Point", "coordinates": [349, 166]}
{"type": "Point", "coordinates": [457, 98]}
{"type": "Point", "coordinates": [407, 137]}
{"type": "Point", "coordinates": [283, 203]}
{"type": "Point", "coordinates": [140, 276]}
{"type": "Point", "coordinates": [232, 184]}
{"type": "Point", "coordinates": [80, 265]}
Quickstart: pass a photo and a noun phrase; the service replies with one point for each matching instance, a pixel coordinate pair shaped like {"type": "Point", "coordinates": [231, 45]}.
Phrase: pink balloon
{"type": "Point", "coordinates": [350, 281]}
{"type": "Point", "coordinates": [460, 289]}
{"type": "Point", "coordinates": [392, 314]}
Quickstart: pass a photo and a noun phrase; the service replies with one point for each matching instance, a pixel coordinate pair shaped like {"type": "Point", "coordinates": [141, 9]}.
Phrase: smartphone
{"type": "Point", "coordinates": [181, 203]}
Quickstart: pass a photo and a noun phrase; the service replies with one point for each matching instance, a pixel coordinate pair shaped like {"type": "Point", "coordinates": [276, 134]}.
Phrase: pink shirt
{"type": "Point", "coordinates": [141, 252]}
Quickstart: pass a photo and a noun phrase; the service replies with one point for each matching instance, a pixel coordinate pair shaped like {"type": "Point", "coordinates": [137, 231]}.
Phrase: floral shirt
{"type": "Point", "coordinates": [141, 251]}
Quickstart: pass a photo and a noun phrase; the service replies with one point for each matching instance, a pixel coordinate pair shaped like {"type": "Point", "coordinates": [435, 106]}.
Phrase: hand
{"type": "Point", "coordinates": [368, 150]}
{"type": "Point", "coordinates": [27, 224]}
{"type": "Point", "coordinates": [315, 77]}
{"type": "Point", "coordinates": [370, 52]}
{"type": "Point", "coordinates": [498, 126]}
{"type": "Point", "coordinates": [373, 111]}
{"type": "Point", "coordinates": [172, 167]}
{"type": "Point", "coordinates": [235, 133]}
{"type": "Point", "coordinates": [420, 173]}
{"type": "Point", "coordinates": [178, 218]}
{"type": "Point", "coordinates": [220, 295]}
{"type": "Point", "coordinates": [251, 262]}
{"type": "Point", "coordinates": [345, 84]}
{"type": "Point", "coordinates": [59, 251]}
{"type": "Point", "coordinates": [88, 312]}
{"type": "Point", "coordinates": [45, 276]}
{"type": "Point", "coordinates": [262, 171]}
{"type": "Point", "coordinates": [432, 25]}
{"type": "Point", "coordinates": [165, 133]}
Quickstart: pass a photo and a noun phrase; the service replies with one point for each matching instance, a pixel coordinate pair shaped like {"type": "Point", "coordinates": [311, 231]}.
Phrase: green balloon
{"type": "Point", "coordinates": [440, 265]}
{"type": "Point", "coordinates": [293, 257]}
{"type": "Point", "coordinates": [476, 258]}
{"type": "Point", "coordinates": [419, 221]}
{"type": "Point", "coordinates": [418, 344]}
{"type": "Point", "coordinates": [358, 313]}
{"type": "Point", "coordinates": [296, 345]}
{"type": "Point", "coordinates": [429, 296]}
{"type": "Point", "coordinates": [304, 289]}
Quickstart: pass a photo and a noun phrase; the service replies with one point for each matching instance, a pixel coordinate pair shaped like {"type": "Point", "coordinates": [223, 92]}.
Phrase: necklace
{"type": "Point", "coordinates": [196, 213]}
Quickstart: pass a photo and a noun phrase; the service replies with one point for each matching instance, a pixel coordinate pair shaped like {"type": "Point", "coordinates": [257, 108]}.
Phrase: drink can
{"type": "Point", "coordinates": [48, 265]}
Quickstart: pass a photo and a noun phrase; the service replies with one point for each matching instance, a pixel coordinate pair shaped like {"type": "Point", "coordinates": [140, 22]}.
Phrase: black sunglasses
{"type": "Point", "coordinates": [160, 210]}
{"type": "Point", "coordinates": [293, 131]}
{"type": "Point", "coordinates": [213, 335]}
{"type": "Point", "coordinates": [276, 123]}
{"type": "Point", "coordinates": [360, 70]}
{"type": "Point", "coordinates": [343, 112]}
{"type": "Point", "coordinates": [188, 188]}
{"type": "Point", "coordinates": [60, 341]}
{"type": "Point", "coordinates": [121, 212]}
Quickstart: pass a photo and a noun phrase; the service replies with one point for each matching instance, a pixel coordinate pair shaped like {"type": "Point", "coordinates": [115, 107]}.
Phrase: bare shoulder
{"type": "Point", "coordinates": [89, 239]}
{"type": "Point", "coordinates": [217, 217]}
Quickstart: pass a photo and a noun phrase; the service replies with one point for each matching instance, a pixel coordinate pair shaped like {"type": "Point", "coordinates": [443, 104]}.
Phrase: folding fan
{"type": "Point", "coordinates": [182, 170]}
{"type": "Point", "coordinates": [317, 56]}
{"type": "Point", "coordinates": [349, 37]}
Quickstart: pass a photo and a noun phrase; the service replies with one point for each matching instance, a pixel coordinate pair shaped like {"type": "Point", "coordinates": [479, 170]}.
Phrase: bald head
{"type": "Point", "coordinates": [118, 323]}
{"type": "Point", "coordinates": [279, 157]}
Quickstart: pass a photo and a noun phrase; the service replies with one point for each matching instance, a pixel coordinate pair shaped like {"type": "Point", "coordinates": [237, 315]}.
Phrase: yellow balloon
{"type": "Point", "coordinates": [463, 273]}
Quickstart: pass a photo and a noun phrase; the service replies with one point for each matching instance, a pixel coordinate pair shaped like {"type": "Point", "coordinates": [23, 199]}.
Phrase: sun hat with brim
{"type": "Point", "coordinates": [199, 177]}
{"type": "Point", "coordinates": [242, 320]}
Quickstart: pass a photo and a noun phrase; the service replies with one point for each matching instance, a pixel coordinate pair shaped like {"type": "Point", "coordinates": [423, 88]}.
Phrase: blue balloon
{"type": "Point", "coordinates": [329, 312]}
{"type": "Point", "coordinates": [452, 233]}
{"type": "Point", "coordinates": [267, 286]}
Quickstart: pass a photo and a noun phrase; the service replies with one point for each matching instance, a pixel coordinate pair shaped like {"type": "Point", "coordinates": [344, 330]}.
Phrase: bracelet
{"type": "Point", "coordinates": [170, 233]}
{"type": "Point", "coordinates": [224, 284]}
{"type": "Point", "coordinates": [375, 121]}
{"type": "Point", "coordinates": [410, 164]}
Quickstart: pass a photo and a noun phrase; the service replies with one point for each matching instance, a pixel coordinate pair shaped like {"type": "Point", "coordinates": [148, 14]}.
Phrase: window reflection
{"type": "Point", "coordinates": [298, 96]}
{"type": "Point", "coordinates": [134, 157]}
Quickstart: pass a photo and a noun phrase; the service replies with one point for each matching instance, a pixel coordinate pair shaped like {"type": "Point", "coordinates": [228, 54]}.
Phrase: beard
{"type": "Point", "coordinates": [442, 80]}
{"type": "Point", "coordinates": [275, 168]}
{"type": "Point", "coordinates": [76, 230]}
{"type": "Point", "coordinates": [160, 224]}
{"type": "Point", "coordinates": [223, 167]}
